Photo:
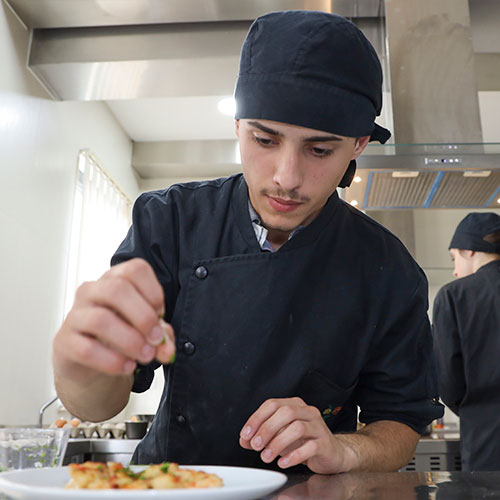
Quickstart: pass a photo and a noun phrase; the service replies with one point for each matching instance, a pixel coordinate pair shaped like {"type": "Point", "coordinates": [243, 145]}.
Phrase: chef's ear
{"type": "Point", "coordinates": [237, 128]}
{"type": "Point", "coordinates": [361, 143]}
{"type": "Point", "coordinates": [467, 254]}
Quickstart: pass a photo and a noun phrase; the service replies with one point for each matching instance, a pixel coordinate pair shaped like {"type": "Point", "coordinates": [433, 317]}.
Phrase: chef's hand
{"type": "Point", "coordinates": [115, 322]}
{"type": "Point", "coordinates": [295, 432]}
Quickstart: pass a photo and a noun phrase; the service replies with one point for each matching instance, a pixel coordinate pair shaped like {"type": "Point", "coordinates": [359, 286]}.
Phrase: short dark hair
{"type": "Point", "coordinates": [493, 237]}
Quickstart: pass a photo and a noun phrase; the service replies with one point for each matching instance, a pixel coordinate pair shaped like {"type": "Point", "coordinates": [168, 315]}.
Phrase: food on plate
{"type": "Point", "coordinates": [98, 475]}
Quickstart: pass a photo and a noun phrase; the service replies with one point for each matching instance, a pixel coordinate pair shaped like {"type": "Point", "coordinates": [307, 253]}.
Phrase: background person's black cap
{"type": "Point", "coordinates": [314, 70]}
{"type": "Point", "coordinates": [471, 231]}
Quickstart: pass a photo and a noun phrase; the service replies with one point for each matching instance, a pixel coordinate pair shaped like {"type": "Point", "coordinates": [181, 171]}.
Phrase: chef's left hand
{"type": "Point", "coordinates": [295, 432]}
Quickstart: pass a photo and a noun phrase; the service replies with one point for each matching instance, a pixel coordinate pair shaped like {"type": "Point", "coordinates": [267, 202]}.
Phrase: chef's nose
{"type": "Point", "coordinates": [288, 172]}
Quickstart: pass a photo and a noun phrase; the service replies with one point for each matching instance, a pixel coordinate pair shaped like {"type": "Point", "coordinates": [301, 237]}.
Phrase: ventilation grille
{"type": "Point", "coordinates": [386, 191]}
{"type": "Point", "coordinates": [431, 189]}
{"type": "Point", "coordinates": [424, 462]}
{"type": "Point", "coordinates": [455, 190]}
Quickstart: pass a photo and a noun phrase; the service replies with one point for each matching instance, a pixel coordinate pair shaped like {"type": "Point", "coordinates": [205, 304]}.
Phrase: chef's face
{"type": "Point", "coordinates": [463, 262]}
{"type": "Point", "coordinates": [291, 171]}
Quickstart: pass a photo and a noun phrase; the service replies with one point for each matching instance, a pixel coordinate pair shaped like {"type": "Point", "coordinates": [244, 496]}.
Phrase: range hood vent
{"type": "Point", "coordinates": [431, 189]}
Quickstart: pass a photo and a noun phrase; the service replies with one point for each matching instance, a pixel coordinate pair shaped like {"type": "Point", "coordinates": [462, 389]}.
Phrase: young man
{"type": "Point", "coordinates": [290, 308]}
{"type": "Point", "coordinates": [466, 328]}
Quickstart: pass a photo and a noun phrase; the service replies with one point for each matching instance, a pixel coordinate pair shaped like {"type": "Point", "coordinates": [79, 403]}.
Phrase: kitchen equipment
{"type": "Point", "coordinates": [43, 408]}
{"type": "Point", "coordinates": [136, 430]}
{"type": "Point", "coordinates": [26, 447]}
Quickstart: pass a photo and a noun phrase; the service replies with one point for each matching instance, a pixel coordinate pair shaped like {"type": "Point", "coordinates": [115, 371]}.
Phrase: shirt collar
{"type": "Point", "coordinates": [261, 231]}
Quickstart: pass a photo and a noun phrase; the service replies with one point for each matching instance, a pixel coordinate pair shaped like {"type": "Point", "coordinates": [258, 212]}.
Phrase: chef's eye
{"type": "Point", "coordinates": [263, 141]}
{"type": "Point", "coordinates": [321, 152]}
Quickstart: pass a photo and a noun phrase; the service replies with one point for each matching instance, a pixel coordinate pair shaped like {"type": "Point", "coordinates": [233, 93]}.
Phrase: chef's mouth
{"type": "Point", "coordinates": [283, 204]}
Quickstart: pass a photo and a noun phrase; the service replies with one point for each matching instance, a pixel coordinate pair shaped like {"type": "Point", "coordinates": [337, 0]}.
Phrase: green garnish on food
{"type": "Point", "coordinates": [100, 467]}
{"type": "Point", "coordinates": [164, 467]}
{"type": "Point", "coordinates": [172, 358]}
{"type": "Point", "coordinates": [130, 472]}
{"type": "Point", "coordinates": [163, 340]}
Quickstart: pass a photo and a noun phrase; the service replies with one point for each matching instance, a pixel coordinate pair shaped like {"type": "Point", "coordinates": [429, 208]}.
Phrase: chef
{"type": "Point", "coordinates": [466, 328]}
{"type": "Point", "coordinates": [291, 309]}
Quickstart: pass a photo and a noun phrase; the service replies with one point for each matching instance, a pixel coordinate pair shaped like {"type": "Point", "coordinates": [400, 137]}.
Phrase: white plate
{"type": "Point", "coordinates": [239, 483]}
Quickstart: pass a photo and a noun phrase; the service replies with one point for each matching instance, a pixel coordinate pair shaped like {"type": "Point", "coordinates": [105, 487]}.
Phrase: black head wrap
{"type": "Point", "coordinates": [471, 231]}
{"type": "Point", "coordinates": [314, 70]}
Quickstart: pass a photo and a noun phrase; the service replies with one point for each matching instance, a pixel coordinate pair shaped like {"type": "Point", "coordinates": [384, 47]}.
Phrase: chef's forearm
{"type": "Point", "coordinates": [100, 399]}
{"type": "Point", "coordinates": [382, 446]}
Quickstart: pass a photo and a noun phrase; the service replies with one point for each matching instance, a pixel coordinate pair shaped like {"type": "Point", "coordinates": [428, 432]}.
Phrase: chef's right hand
{"type": "Point", "coordinates": [115, 322]}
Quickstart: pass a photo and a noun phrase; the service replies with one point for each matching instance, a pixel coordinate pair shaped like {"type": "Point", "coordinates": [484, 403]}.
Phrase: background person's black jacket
{"type": "Point", "coordinates": [466, 328]}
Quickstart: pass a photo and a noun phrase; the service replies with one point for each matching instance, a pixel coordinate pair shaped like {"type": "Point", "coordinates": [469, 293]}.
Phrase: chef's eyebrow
{"type": "Point", "coordinates": [315, 138]}
{"type": "Point", "coordinates": [265, 129]}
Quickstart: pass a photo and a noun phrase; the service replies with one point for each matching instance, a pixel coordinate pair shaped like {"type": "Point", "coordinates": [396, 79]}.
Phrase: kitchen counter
{"type": "Point", "coordinates": [427, 485]}
{"type": "Point", "coordinates": [431, 454]}
{"type": "Point", "coordinates": [392, 486]}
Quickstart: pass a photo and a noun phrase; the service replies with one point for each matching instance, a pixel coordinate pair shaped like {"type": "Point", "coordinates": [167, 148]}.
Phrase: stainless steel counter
{"type": "Point", "coordinates": [431, 454]}
{"type": "Point", "coordinates": [392, 486]}
{"type": "Point", "coordinates": [100, 450]}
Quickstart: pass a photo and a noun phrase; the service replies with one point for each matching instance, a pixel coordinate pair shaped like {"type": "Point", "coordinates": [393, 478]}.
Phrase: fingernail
{"type": "Point", "coordinates": [246, 432]}
{"type": "Point", "coordinates": [284, 462]}
{"type": "Point", "coordinates": [156, 335]}
{"type": "Point", "coordinates": [266, 454]}
{"type": "Point", "coordinates": [148, 352]}
{"type": "Point", "coordinates": [129, 367]}
{"type": "Point", "coordinates": [257, 442]}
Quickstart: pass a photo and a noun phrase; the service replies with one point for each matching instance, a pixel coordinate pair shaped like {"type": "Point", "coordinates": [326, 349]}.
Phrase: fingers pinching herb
{"type": "Point", "coordinates": [165, 351]}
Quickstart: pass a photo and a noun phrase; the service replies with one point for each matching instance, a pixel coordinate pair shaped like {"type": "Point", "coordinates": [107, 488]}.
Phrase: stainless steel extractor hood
{"type": "Point", "coordinates": [118, 49]}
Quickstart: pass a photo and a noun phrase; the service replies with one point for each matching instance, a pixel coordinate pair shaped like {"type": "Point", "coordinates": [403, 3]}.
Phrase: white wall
{"type": "Point", "coordinates": [39, 143]}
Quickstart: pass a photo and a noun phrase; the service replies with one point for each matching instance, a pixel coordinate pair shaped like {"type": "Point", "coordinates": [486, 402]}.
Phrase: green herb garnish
{"type": "Point", "coordinates": [164, 467]}
{"type": "Point", "coordinates": [172, 358]}
{"type": "Point", "coordinates": [130, 472]}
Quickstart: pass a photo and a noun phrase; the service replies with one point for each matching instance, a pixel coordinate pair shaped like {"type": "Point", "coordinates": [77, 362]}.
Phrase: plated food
{"type": "Point", "coordinates": [113, 475]}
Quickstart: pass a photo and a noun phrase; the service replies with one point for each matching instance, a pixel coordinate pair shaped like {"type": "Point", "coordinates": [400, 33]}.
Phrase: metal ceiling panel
{"type": "Point", "coordinates": [130, 62]}
{"type": "Point", "coordinates": [78, 13]}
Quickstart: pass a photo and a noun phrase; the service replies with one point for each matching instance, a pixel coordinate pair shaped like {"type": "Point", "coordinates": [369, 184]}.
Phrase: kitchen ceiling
{"type": "Point", "coordinates": [162, 67]}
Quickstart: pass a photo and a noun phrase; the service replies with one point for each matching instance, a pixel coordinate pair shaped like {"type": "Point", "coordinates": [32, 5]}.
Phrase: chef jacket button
{"type": "Point", "coordinates": [180, 419]}
{"type": "Point", "coordinates": [201, 272]}
{"type": "Point", "coordinates": [188, 348]}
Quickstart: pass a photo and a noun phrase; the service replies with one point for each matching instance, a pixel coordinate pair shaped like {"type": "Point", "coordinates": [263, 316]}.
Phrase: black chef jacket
{"type": "Point", "coordinates": [466, 328]}
{"type": "Point", "coordinates": [336, 316]}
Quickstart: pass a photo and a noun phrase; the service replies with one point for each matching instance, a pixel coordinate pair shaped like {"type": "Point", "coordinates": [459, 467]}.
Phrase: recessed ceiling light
{"type": "Point", "coordinates": [227, 106]}
{"type": "Point", "coordinates": [498, 201]}
{"type": "Point", "coordinates": [357, 179]}
{"type": "Point", "coordinates": [477, 173]}
{"type": "Point", "coordinates": [354, 203]}
{"type": "Point", "coordinates": [405, 174]}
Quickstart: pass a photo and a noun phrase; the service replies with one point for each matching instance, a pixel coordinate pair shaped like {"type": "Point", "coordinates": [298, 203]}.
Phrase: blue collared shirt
{"type": "Point", "coordinates": [261, 231]}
